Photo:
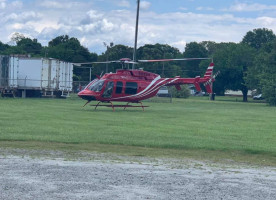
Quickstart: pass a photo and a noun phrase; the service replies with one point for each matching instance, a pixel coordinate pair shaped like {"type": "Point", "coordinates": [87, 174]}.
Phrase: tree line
{"type": "Point", "coordinates": [247, 65]}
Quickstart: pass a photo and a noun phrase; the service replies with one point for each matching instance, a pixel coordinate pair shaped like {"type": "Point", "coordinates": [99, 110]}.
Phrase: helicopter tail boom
{"type": "Point", "coordinates": [206, 80]}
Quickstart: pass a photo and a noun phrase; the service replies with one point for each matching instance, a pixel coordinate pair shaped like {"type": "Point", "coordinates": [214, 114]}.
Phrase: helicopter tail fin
{"type": "Point", "coordinates": [207, 79]}
{"type": "Point", "coordinates": [209, 71]}
{"type": "Point", "coordinates": [210, 78]}
{"type": "Point", "coordinates": [208, 88]}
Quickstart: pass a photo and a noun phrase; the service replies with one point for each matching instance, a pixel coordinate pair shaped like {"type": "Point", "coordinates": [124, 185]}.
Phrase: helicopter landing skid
{"type": "Point", "coordinates": [119, 106]}
{"type": "Point", "coordinates": [129, 106]}
{"type": "Point", "coordinates": [86, 103]}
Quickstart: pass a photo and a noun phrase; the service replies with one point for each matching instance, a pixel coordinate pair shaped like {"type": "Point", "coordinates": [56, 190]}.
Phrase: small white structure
{"type": "Point", "coordinates": [23, 74]}
{"type": "Point", "coordinates": [163, 92]}
{"type": "Point", "coordinates": [237, 93]}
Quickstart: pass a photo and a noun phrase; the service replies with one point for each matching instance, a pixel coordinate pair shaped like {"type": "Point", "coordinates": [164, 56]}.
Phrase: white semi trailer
{"type": "Point", "coordinates": [24, 76]}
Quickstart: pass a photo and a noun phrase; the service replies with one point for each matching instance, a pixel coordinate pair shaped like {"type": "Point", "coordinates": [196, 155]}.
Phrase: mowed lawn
{"type": "Point", "coordinates": [194, 123]}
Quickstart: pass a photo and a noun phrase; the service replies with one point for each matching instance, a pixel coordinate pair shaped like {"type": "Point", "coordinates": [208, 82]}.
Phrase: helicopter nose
{"type": "Point", "coordinates": [86, 95]}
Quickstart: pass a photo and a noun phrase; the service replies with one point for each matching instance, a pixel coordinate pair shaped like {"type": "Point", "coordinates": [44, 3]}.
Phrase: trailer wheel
{"type": "Point", "coordinates": [58, 94]}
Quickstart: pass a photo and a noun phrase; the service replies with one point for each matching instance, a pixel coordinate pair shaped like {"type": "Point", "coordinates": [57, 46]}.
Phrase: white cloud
{"type": "Point", "coordinates": [106, 25]}
{"type": "Point", "coordinates": [59, 4]}
{"type": "Point", "coordinates": [17, 26]}
{"type": "Point", "coordinates": [204, 8]}
{"type": "Point", "coordinates": [145, 5]}
{"type": "Point", "coordinates": [2, 4]}
{"type": "Point", "coordinates": [183, 8]}
{"type": "Point", "coordinates": [244, 7]}
{"type": "Point", "coordinates": [180, 44]}
{"type": "Point", "coordinates": [17, 4]}
{"type": "Point", "coordinates": [22, 17]}
{"type": "Point", "coordinates": [93, 25]}
{"type": "Point", "coordinates": [124, 3]}
{"type": "Point", "coordinates": [267, 22]}
{"type": "Point", "coordinates": [51, 4]}
{"type": "Point", "coordinates": [94, 15]}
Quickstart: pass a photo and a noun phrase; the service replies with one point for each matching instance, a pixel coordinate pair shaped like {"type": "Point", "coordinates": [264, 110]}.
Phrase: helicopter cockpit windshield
{"type": "Point", "coordinates": [97, 86]}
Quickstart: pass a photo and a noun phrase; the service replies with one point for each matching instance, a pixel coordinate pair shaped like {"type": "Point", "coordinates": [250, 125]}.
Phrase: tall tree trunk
{"type": "Point", "coordinates": [244, 94]}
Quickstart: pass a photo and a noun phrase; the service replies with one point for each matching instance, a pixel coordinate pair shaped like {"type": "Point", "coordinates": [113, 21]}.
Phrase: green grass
{"type": "Point", "coordinates": [194, 124]}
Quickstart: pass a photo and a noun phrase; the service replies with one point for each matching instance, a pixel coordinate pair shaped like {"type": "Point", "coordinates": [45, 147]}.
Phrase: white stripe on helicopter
{"type": "Point", "coordinates": [156, 79]}
{"type": "Point", "coordinates": [148, 90]}
{"type": "Point", "coordinates": [157, 87]}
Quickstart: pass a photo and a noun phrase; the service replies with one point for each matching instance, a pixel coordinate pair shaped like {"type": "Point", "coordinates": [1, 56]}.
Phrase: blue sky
{"type": "Point", "coordinates": [174, 22]}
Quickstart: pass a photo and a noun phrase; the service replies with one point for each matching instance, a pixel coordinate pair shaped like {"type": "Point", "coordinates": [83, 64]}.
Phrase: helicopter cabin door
{"type": "Point", "coordinates": [108, 90]}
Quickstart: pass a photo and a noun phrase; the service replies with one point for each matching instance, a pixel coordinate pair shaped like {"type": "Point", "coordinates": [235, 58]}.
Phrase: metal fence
{"type": "Point", "coordinates": [35, 84]}
{"type": "Point", "coordinates": [75, 87]}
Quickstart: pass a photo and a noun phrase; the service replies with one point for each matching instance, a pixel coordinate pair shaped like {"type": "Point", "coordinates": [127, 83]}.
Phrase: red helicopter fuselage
{"type": "Point", "coordinates": [136, 85]}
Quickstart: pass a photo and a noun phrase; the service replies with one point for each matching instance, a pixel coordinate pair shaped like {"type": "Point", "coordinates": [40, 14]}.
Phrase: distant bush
{"type": "Point", "coordinates": [183, 93]}
{"type": "Point", "coordinates": [269, 90]}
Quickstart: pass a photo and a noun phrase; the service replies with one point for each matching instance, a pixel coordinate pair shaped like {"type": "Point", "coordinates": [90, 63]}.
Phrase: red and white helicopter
{"type": "Point", "coordinates": [134, 85]}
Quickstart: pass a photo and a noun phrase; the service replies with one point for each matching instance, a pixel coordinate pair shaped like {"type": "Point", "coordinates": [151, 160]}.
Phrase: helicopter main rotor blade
{"type": "Point", "coordinates": [177, 59]}
{"type": "Point", "coordinates": [129, 61]}
{"type": "Point", "coordinates": [87, 63]}
{"type": "Point", "coordinates": [106, 62]}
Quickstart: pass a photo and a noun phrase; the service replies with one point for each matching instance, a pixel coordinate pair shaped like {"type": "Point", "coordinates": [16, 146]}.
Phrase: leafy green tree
{"type": "Point", "coordinates": [254, 74]}
{"type": "Point", "coordinates": [194, 50]}
{"type": "Point", "coordinates": [160, 51]}
{"type": "Point", "coordinates": [3, 48]}
{"type": "Point", "coordinates": [16, 37]}
{"type": "Point", "coordinates": [113, 52]}
{"type": "Point", "coordinates": [263, 74]}
{"type": "Point", "coordinates": [234, 61]}
{"type": "Point", "coordinates": [62, 39]}
{"type": "Point", "coordinates": [29, 46]}
{"type": "Point", "coordinates": [258, 37]}
{"type": "Point", "coordinates": [70, 50]}
{"type": "Point", "coordinates": [211, 47]}
{"type": "Point", "coordinates": [22, 45]}
{"type": "Point", "coordinates": [269, 86]}
{"type": "Point", "coordinates": [117, 52]}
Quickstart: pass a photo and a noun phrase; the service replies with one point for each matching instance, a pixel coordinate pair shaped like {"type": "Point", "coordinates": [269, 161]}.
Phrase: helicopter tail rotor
{"type": "Point", "coordinates": [208, 84]}
{"type": "Point", "coordinates": [212, 79]}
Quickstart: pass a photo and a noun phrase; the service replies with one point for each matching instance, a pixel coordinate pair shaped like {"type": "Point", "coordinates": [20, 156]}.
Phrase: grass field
{"type": "Point", "coordinates": [196, 125]}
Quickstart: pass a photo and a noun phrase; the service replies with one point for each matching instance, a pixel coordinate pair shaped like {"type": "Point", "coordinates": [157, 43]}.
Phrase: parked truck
{"type": "Point", "coordinates": [24, 76]}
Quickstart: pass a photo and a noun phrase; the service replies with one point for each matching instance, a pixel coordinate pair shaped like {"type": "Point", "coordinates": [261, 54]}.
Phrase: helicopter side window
{"type": "Point", "coordinates": [97, 86]}
{"type": "Point", "coordinates": [131, 88]}
{"type": "Point", "coordinates": [108, 90]}
{"type": "Point", "coordinates": [119, 87]}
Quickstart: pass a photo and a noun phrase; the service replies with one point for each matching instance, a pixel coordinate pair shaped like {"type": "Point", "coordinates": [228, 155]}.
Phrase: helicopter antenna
{"type": "Point", "coordinates": [101, 74]}
{"type": "Point", "coordinates": [136, 33]}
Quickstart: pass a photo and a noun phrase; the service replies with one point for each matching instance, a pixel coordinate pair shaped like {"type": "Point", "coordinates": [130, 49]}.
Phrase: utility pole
{"type": "Point", "coordinates": [212, 96]}
{"type": "Point", "coordinates": [90, 72]}
{"type": "Point", "coordinates": [136, 33]}
{"type": "Point", "coordinates": [106, 65]}
{"type": "Point", "coordinates": [163, 75]}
